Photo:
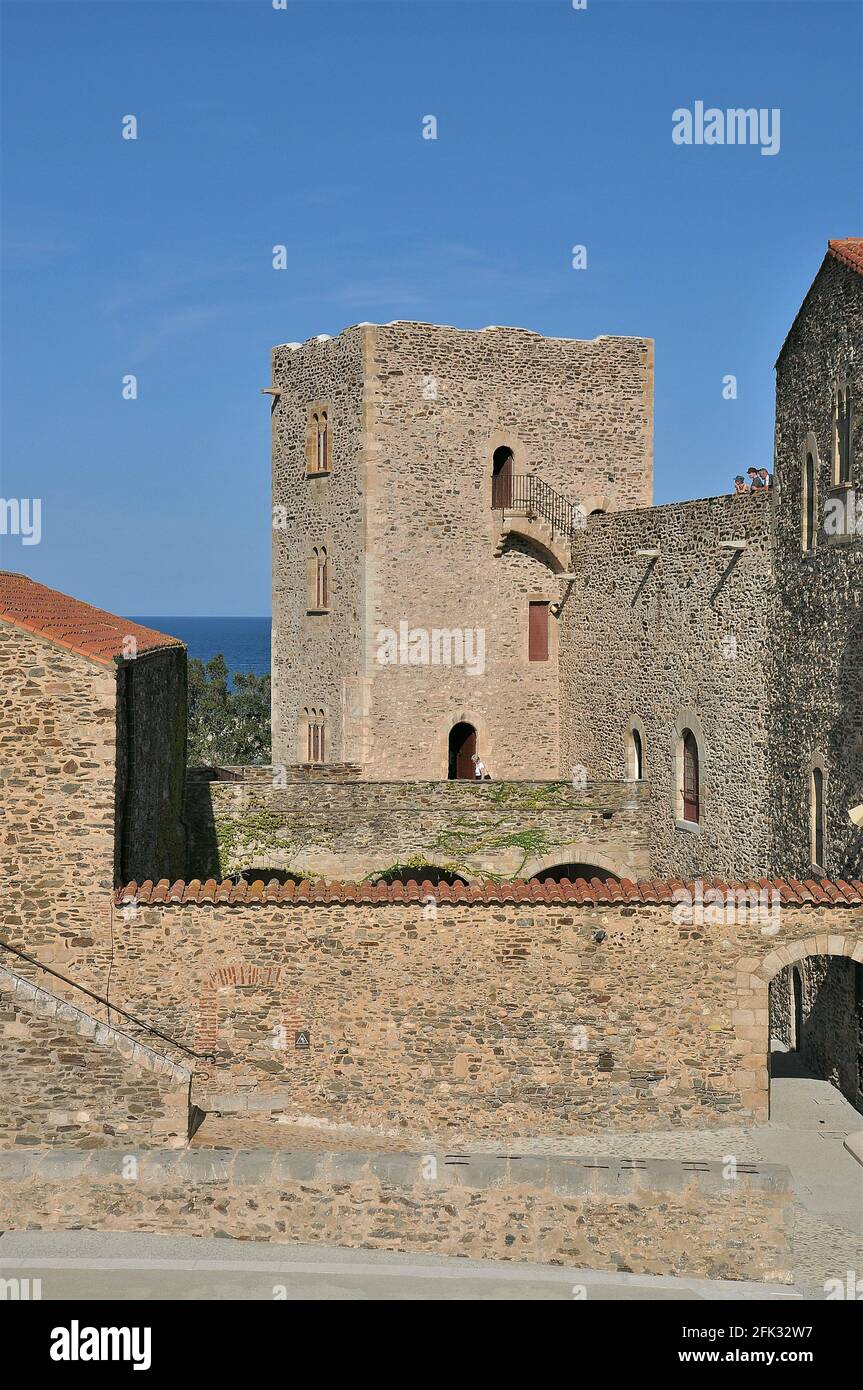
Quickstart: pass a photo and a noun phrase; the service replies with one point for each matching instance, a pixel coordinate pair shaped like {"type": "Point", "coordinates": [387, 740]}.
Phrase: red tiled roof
{"type": "Point", "coordinates": [821, 893]}
{"type": "Point", "coordinates": [848, 250]}
{"type": "Point", "coordinates": [70, 623]}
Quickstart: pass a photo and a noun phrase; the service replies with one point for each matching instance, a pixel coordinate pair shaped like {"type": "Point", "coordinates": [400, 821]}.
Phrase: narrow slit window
{"type": "Point", "coordinates": [818, 816]}
{"type": "Point", "coordinates": [843, 434]}
{"type": "Point", "coordinates": [809, 503]}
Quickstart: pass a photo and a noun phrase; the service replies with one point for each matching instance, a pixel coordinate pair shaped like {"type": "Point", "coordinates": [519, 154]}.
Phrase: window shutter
{"type": "Point", "coordinates": [537, 640]}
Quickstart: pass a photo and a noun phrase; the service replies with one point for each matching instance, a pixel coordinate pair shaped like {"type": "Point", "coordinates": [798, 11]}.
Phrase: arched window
{"type": "Point", "coordinates": [809, 502]}
{"type": "Point", "coordinates": [842, 432]}
{"type": "Point", "coordinates": [633, 749]}
{"type": "Point", "coordinates": [691, 779]}
{"type": "Point", "coordinates": [501, 478]}
{"type": "Point", "coordinates": [636, 756]}
{"type": "Point", "coordinates": [322, 578]}
{"type": "Point", "coordinates": [817, 822]}
{"type": "Point", "coordinates": [318, 440]}
{"type": "Point", "coordinates": [315, 744]}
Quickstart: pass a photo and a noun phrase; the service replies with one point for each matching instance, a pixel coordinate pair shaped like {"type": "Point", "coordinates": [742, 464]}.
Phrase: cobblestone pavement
{"type": "Point", "coordinates": [822, 1250]}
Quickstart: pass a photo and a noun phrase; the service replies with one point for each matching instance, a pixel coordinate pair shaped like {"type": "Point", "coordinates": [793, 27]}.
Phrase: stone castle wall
{"type": "Point", "coordinates": [817, 705]}
{"type": "Point", "coordinates": [472, 1019]}
{"type": "Point", "coordinates": [683, 640]}
{"type": "Point", "coordinates": [653, 1217]}
{"type": "Point", "coordinates": [57, 778]}
{"type": "Point", "coordinates": [349, 829]}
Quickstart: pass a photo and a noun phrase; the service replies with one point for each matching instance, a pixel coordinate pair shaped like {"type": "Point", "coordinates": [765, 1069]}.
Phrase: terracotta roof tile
{"type": "Point", "coordinates": [848, 250]}
{"type": "Point", "coordinates": [581, 893]}
{"type": "Point", "coordinates": [69, 623]}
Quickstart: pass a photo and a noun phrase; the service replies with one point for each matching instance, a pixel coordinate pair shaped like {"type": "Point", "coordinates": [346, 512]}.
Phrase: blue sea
{"type": "Point", "coordinates": [244, 642]}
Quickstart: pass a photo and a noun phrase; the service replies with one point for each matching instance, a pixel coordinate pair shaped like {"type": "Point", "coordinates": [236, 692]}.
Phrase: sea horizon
{"type": "Point", "coordinates": [243, 641]}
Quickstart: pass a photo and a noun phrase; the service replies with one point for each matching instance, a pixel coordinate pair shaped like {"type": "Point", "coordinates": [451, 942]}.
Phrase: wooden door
{"type": "Point", "coordinates": [462, 746]}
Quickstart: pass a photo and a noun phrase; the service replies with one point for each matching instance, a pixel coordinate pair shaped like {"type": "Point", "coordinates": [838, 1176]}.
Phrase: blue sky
{"type": "Point", "coordinates": [304, 127]}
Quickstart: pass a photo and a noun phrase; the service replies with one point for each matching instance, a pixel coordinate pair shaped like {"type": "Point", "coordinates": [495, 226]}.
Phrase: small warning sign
{"type": "Point", "coordinates": [302, 1038]}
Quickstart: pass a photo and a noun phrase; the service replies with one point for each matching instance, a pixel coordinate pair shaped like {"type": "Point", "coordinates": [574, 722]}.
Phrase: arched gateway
{"type": "Point", "coordinates": [826, 1027]}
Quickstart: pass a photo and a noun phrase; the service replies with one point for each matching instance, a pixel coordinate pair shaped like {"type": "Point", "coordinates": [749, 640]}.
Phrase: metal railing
{"type": "Point", "coordinates": [529, 496]}
{"type": "Point", "coordinates": [115, 1008]}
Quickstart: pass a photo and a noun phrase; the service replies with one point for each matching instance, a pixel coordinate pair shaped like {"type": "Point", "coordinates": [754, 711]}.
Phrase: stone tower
{"type": "Point", "coordinates": [426, 484]}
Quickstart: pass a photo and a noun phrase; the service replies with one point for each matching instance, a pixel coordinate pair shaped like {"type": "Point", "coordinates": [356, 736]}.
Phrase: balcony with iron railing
{"type": "Point", "coordinates": [527, 505]}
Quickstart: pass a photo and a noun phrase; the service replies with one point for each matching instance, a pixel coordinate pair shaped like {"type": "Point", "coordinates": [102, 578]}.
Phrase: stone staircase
{"type": "Point", "coordinates": [71, 1080]}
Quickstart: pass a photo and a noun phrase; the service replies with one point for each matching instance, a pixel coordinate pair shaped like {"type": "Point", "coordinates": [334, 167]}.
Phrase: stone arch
{"type": "Point", "coordinates": [552, 548]}
{"type": "Point", "coordinates": [579, 852]}
{"type": "Point", "coordinates": [751, 1016]}
{"type": "Point", "coordinates": [594, 505]}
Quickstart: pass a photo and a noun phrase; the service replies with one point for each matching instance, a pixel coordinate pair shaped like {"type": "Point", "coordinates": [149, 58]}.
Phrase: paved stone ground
{"type": "Point", "coordinates": [823, 1250]}
{"type": "Point", "coordinates": [242, 1132]}
{"type": "Point", "coordinates": [809, 1122]}
{"type": "Point", "coordinates": [256, 1132]}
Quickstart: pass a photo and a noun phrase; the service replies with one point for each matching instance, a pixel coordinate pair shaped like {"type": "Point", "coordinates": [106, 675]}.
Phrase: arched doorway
{"type": "Point", "coordinates": [501, 478]}
{"type": "Point", "coordinates": [462, 746]}
{"type": "Point", "coordinates": [807, 1006]}
{"type": "Point", "coordinates": [816, 1015]}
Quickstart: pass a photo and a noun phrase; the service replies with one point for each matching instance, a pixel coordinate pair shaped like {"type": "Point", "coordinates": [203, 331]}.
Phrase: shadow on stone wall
{"type": "Point", "coordinates": [202, 846]}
